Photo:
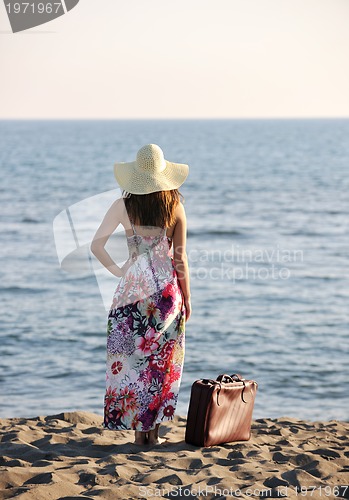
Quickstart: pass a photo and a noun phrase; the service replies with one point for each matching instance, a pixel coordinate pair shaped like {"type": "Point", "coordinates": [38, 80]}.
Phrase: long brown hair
{"type": "Point", "coordinates": [153, 209]}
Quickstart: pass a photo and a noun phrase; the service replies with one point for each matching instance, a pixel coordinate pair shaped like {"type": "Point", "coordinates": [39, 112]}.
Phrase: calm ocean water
{"type": "Point", "coordinates": [268, 209]}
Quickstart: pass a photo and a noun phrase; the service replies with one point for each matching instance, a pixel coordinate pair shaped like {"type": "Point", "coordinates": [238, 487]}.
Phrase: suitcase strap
{"type": "Point", "coordinates": [224, 378]}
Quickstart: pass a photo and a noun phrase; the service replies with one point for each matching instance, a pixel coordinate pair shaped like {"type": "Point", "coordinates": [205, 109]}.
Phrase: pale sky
{"type": "Point", "coordinates": [180, 59]}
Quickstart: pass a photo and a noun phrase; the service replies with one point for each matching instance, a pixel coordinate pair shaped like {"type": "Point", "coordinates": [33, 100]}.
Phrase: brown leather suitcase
{"type": "Point", "coordinates": [220, 411]}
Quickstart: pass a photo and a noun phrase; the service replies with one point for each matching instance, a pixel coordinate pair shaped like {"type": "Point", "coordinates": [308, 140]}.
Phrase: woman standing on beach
{"type": "Point", "coordinates": [151, 303]}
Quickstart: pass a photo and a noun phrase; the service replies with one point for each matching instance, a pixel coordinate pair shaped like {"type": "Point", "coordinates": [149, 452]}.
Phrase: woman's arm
{"type": "Point", "coordinates": [108, 225]}
{"type": "Point", "coordinates": [180, 256]}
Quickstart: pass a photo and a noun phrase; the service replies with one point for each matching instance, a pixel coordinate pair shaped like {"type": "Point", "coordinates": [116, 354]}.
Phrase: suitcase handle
{"type": "Point", "coordinates": [236, 377]}
{"type": "Point", "coordinates": [231, 378]}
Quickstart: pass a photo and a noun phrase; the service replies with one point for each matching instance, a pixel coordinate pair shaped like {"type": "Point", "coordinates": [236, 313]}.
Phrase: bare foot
{"type": "Point", "coordinates": [140, 437]}
{"type": "Point", "coordinates": [153, 436]}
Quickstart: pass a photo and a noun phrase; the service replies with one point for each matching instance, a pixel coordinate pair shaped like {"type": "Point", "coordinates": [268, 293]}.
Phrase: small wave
{"type": "Point", "coordinates": [19, 289]}
{"type": "Point", "coordinates": [305, 233]}
{"type": "Point", "coordinates": [326, 278]}
{"type": "Point", "coordinates": [30, 220]}
{"type": "Point", "coordinates": [60, 375]}
{"type": "Point", "coordinates": [215, 232]}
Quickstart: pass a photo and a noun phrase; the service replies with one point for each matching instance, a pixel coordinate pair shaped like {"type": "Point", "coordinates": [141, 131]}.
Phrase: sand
{"type": "Point", "coordinates": [69, 456]}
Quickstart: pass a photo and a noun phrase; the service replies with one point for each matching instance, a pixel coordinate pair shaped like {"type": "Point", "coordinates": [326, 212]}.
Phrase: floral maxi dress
{"type": "Point", "coordinates": [145, 338]}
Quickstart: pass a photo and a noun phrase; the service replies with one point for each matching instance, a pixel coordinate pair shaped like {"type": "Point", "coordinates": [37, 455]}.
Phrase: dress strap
{"type": "Point", "coordinates": [133, 228]}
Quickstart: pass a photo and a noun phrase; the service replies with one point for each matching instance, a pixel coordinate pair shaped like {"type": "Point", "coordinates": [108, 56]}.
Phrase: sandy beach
{"type": "Point", "coordinates": [70, 456]}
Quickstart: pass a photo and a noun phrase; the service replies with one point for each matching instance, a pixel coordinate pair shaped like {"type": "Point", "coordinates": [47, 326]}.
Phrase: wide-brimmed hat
{"type": "Point", "coordinates": [150, 172]}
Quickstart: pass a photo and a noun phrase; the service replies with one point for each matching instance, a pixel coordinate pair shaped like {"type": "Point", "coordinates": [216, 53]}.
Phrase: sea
{"type": "Point", "coordinates": [267, 204]}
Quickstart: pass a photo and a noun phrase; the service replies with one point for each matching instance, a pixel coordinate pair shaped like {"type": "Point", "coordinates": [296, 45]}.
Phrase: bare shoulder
{"type": "Point", "coordinates": [116, 212]}
{"type": "Point", "coordinates": [180, 211]}
{"type": "Point", "coordinates": [121, 212]}
{"type": "Point", "coordinates": [118, 207]}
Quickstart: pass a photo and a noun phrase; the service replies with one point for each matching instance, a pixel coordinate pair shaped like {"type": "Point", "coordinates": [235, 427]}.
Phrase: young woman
{"type": "Point", "coordinates": [151, 303]}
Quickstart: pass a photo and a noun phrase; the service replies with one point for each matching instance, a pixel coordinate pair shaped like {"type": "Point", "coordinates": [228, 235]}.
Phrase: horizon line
{"type": "Point", "coordinates": [178, 118]}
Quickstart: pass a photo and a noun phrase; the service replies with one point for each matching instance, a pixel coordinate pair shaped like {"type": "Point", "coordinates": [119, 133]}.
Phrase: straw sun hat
{"type": "Point", "coordinates": [150, 172]}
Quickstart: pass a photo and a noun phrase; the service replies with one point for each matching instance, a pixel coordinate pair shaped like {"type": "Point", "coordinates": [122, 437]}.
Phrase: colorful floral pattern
{"type": "Point", "coordinates": [145, 339]}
